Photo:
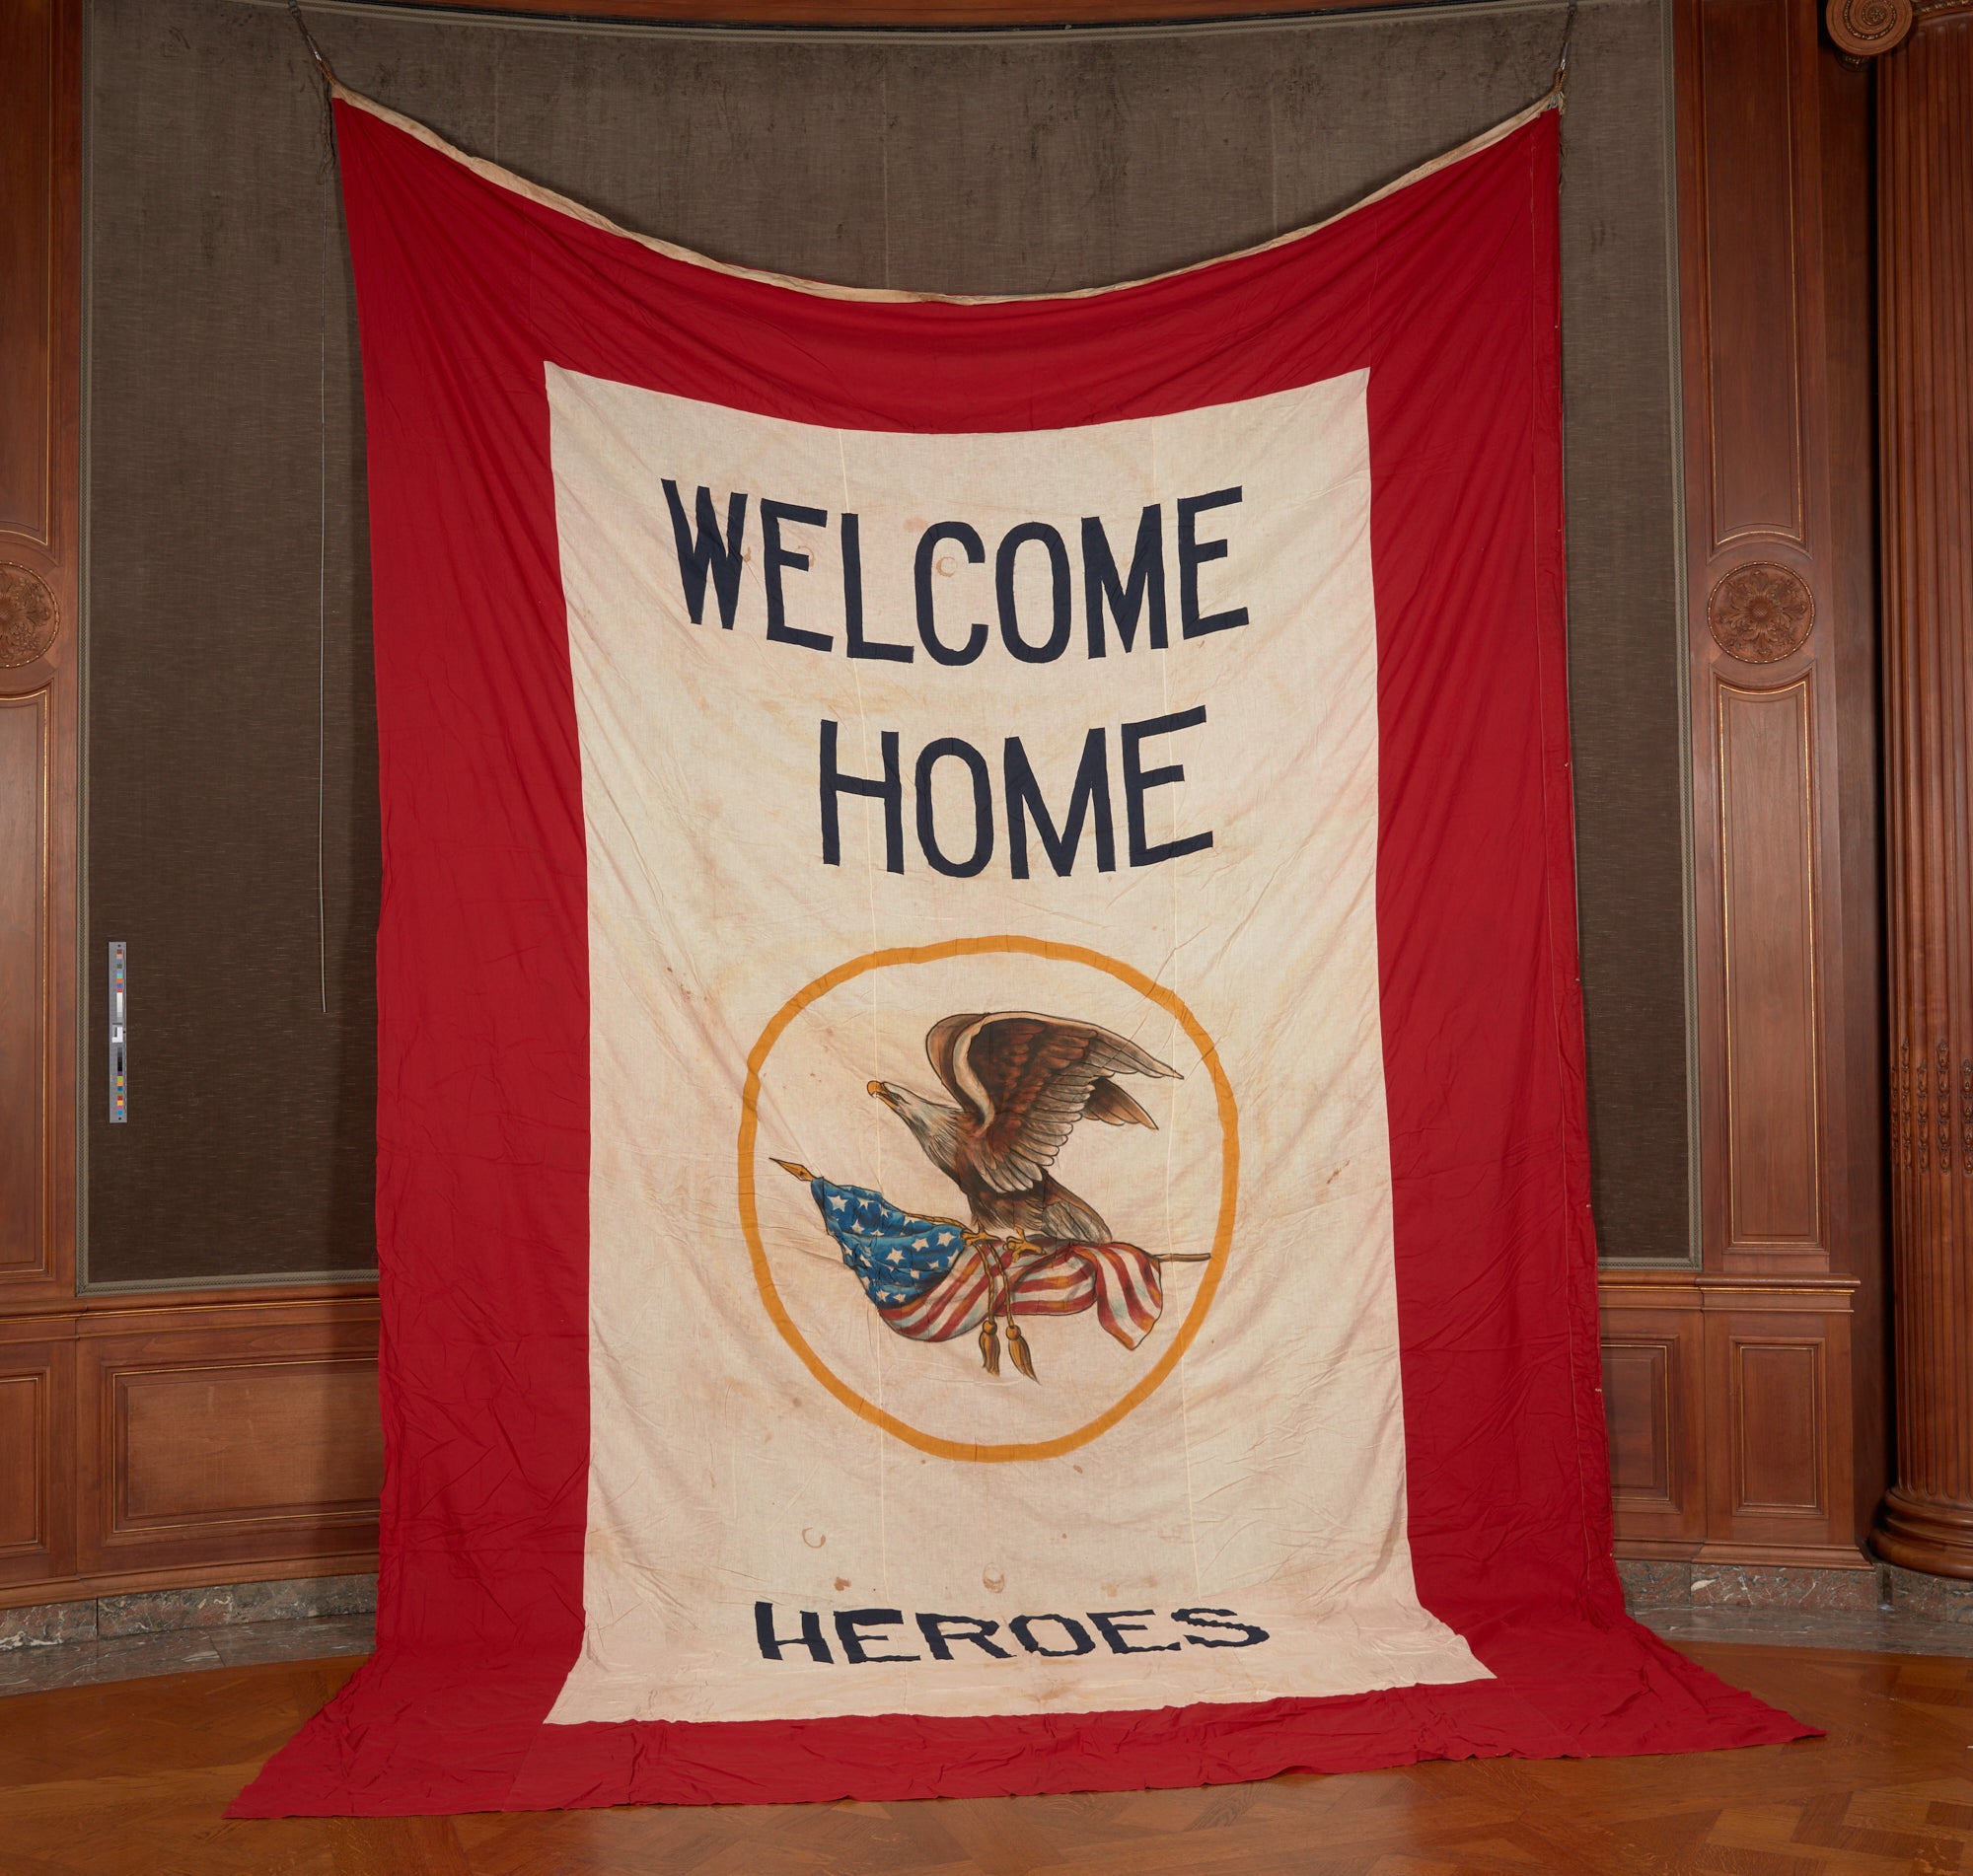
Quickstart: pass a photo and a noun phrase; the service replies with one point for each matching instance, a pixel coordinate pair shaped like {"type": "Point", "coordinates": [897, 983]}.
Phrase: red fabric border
{"type": "Point", "coordinates": [1448, 291]}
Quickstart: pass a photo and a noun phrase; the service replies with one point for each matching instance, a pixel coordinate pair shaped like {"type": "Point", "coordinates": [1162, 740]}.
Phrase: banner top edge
{"type": "Point", "coordinates": [515, 184]}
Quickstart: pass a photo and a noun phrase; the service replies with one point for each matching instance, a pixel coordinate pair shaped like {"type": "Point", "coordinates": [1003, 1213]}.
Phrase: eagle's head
{"type": "Point", "coordinates": [901, 1100]}
{"type": "Point", "coordinates": [930, 1123]}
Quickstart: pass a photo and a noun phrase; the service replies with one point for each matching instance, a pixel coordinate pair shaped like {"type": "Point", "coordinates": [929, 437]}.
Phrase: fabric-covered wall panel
{"type": "Point", "coordinates": [226, 455]}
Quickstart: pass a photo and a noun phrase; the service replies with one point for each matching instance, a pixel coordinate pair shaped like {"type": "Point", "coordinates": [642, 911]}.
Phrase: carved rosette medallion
{"type": "Point", "coordinates": [1761, 612]}
{"type": "Point", "coordinates": [1868, 28]}
{"type": "Point", "coordinates": [29, 615]}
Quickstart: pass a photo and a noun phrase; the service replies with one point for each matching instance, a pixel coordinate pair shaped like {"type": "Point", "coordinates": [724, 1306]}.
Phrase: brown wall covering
{"type": "Point", "coordinates": [221, 354]}
{"type": "Point", "coordinates": [221, 340]}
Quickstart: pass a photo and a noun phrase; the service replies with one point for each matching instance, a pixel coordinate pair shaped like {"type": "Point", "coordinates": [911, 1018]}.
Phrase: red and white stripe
{"type": "Point", "coordinates": [1121, 1282]}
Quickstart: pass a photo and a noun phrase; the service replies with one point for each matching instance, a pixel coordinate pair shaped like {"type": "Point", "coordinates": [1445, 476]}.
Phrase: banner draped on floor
{"type": "Point", "coordinates": [983, 1181]}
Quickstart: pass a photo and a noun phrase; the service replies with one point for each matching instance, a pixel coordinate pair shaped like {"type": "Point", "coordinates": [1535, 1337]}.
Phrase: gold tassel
{"type": "Point", "coordinates": [1017, 1345]}
{"type": "Point", "coordinates": [989, 1345]}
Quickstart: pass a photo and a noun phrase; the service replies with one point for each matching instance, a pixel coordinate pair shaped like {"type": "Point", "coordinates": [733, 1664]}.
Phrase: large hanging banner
{"type": "Point", "coordinates": [982, 1178]}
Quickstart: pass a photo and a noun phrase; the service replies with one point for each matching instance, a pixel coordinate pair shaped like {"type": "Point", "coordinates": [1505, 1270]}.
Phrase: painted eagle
{"type": "Point", "coordinates": [1022, 1082]}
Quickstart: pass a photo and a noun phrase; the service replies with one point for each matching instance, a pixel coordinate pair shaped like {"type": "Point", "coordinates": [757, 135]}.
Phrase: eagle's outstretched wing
{"type": "Point", "coordinates": [1025, 1080]}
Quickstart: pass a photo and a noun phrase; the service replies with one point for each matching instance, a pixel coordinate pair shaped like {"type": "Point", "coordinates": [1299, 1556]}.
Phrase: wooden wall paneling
{"type": "Point", "coordinates": [1784, 792]}
{"type": "Point", "coordinates": [36, 1441]}
{"type": "Point", "coordinates": [51, 1312]}
{"type": "Point", "coordinates": [1779, 1387]}
{"type": "Point", "coordinates": [39, 416]}
{"type": "Point", "coordinates": [1779, 1483]}
{"type": "Point", "coordinates": [1757, 322]}
{"type": "Point", "coordinates": [29, 109]}
{"type": "Point", "coordinates": [222, 1436]}
{"type": "Point", "coordinates": [1729, 1405]}
{"type": "Point", "coordinates": [26, 1193]}
{"type": "Point", "coordinates": [1767, 888]}
{"type": "Point", "coordinates": [1653, 1382]}
{"type": "Point", "coordinates": [1756, 513]}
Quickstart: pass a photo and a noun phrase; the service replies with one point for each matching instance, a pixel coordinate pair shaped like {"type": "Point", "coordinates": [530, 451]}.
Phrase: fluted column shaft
{"type": "Point", "coordinates": [1925, 267]}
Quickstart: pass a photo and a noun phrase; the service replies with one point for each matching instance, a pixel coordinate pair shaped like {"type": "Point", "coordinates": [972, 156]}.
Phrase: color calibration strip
{"type": "Point", "coordinates": [119, 1032]}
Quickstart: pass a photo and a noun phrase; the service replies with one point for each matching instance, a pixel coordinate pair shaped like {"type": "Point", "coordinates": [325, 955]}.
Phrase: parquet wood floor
{"type": "Point", "coordinates": [129, 1779]}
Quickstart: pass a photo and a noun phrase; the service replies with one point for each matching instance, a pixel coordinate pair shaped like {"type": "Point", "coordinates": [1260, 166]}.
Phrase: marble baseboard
{"type": "Point", "coordinates": [1882, 1610]}
{"type": "Point", "coordinates": [1865, 1630]}
{"type": "Point", "coordinates": [186, 1651]}
{"type": "Point", "coordinates": [174, 1631]}
{"type": "Point", "coordinates": [42, 1625]}
{"type": "Point", "coordinates": [1937, 1598]}
{"type": "Point", "coordinates": [1651, 1585]}
{"type": "Point", "coordinates": [173, 1610]}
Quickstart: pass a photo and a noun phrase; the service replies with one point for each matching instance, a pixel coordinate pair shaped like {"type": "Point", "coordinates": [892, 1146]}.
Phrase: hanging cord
{"type": "Point", "coordinates": [1562, 60]}
{"type": "Point", "coordinates": [308, 39]}
{"type": "Point", "coordinates": [324, 176]}
{"type": "Point", "coordinates": [321, 599]}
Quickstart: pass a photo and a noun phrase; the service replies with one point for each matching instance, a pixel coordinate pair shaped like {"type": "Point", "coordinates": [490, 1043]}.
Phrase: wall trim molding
{"type": "Point", "coordinates": [924, 16]}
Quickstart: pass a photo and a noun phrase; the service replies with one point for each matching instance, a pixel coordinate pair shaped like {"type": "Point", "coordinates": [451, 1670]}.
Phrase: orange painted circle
{"type": "Point", "coordinates": [1222, 1237]}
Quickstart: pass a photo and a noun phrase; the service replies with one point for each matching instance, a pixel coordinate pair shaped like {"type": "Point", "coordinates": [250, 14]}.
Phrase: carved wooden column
{"type": "Point", "coordinates": [1925, 277]}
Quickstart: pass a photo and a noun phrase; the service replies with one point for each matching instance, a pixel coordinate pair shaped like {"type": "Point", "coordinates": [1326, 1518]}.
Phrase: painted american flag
{"type": "Point", "coordinates": [930, 1284]}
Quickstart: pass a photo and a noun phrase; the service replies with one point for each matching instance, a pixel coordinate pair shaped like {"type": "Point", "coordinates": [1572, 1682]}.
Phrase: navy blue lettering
{"type": "Point", "coordinates": [1112, 1626]}
{"type": "Point", "coordinates": [1052, 647]}
{"type": "Point", "coordinates": [976, 553]}
{"type": "Point", "coordinates": [1139, 781]}
{"type": "Point", "coordinates": [775, 558]}
{"type": "Point", "coordinates": [1207, 1618]}
{"type": "Point", "coordinates": [1126, 599]}
{"type": "Point", "coordinates": [890, 791]}
{"type": "Point", "coordinates": [704, 552]}
{"type": "Point", "coordinates": [1194, 553]}
{"type": "Point", "coordinates": [772, 1645]}
{"type": "Point", "coordinates": [1022, 1628]}
{"type": "Point", "coordinates": [940, 1632]}
{"type": "Point", "coordinates": [852, 600]}
{"type": "Point", "coordinates": [1089, 794]}
{"type": "Point", "coordinates": [929, 758]}
{"type": "Point", "coordinates": [849, 1624]}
